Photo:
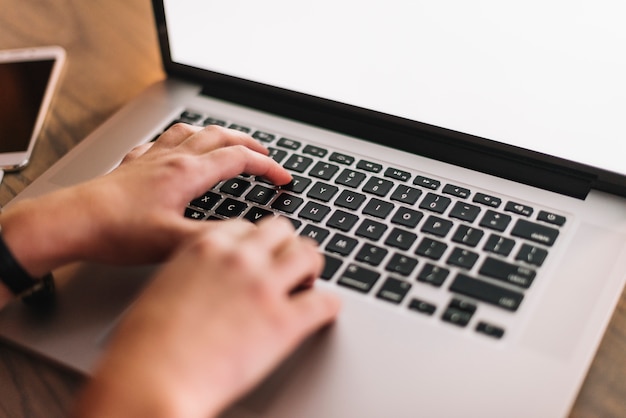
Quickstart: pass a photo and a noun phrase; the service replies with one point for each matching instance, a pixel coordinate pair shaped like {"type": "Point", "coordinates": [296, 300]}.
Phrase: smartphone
{"type": "Point", "coordinates": [28, 79]}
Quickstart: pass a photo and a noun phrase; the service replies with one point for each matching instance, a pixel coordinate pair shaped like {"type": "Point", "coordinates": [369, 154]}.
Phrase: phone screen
{"type": "Point", "coordinates": [22, 88]}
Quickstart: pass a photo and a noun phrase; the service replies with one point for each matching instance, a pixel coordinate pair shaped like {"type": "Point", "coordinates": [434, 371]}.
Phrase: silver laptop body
{"type": "Point", "coordinates": [404, 345]}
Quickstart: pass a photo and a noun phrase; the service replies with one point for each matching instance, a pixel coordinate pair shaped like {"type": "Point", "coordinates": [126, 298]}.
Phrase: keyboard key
{"type": "Point", "coordinates": [433, 275]}
{"type": "Point", "coordinates": [431, 248]}
{"type": "Point", "coordinates": [231, 208]}
{"type": "Point", "coordinates": [378, 208]}
{"type": "Point", "coordinates": [315, 232]}
{"type": "Point", "coordinates": [297, 163]}
{"type": "Point", "coordinates": [343, 221]}
{"type": "Point", "coordinates": [400, 238]}
{"type": "Point", "coordinates": [464, 211]}
{"type": "Point", "coordinates": [323, 170]}
{"type": "Point", "coordinates": [235, 186]}
{"type": "Point", "coordinates": [393, 290]}
{"type": "Point", "coordinates": [426, 182]}
{"type": "Point", "coordinates": [401, 264]}
{"type": "Point", "coordinates": [378, 186]}
{"type": "Point", "coordinates": [240, 128]}
{"type": "Point", "coordinates": [422, 307]}
{"type": "Point", "coordinates": [456, 316]}
{"type": "Point", "coordinates": [288, 143]}
{"type": "Point", "coordinates": [499, 245]}
{"type": "Point", "coordinates": [263, 136]}
{"type": "Point", "coordinates": [535, 232]}
{"type": "Point", "coordinates": [407, 217]}
{"type": "Point", "coordinates": [350, 178]}
{"type": "Point", "coordinates": [214, 121]}
{"type": "Point", "coordinates": [194, 214]}
{"type": "Point", "coordinates": [297, 184]}
{"type": "Point", "coordinates": [316, 151]}
{"type": "Point", "coordinates": [277, 154]}
{"type": "Point", "coordinates": [437, 226]}
{"type": "Point", "coordinates": [350, 200]}
{"type": "Point", "coordinates": [467, 235]}
{"type": "Point", "coordinates": [490, 330]}
{"type": "Point", "coordinates": [255, 214]}
{"type": "Point", "coordinates": [396, 174]}
{"type": "Point", "coordinates": [486, 292]}
{"type": "Point", "coordinates": [296, 223]}
{"type": "Point", "coordinates": [507, 272]}
{"type": "Point", "coordinates": [207, 201]}
{"type": "Point", "coordinates": [369, 166]}
{"type": "Point", "coordinates": [552, 218]}
{"type": "Point", "coordinates": [495, 220]}
{"type": "Point", "coordinates": [341, 244]}
{"type": "Point", "coordinates": [371, 229]}
{"type": "Point", "coordinates": [331, 266]}
{"type": "Point", "coordinates": [487, 200]}
{"type": "Point", "coordinates": [435, 203]}
{"type": "Point", "coordinates": [518, 208]}
{"type": "Point", "coordinates": [406, 194]}
{"type": "Point", "coordinates": [314, 211]}
{"type": "Point", "coordinates": [532, 255]}
{"type": "Point", "coordinates": [462, 258]}
{"type": "Point", "coordinates": [456, 191]}
{"type": "Point", "coordinates": [371, 254]}
{"type": "Point", "coordinates": [358, 278]}
{"type": "Point", "coordinates": [322, 191]}
{"type": "Point", "coordinates": [260, 194]}
{"type": "Point", "coordinates": [287, 203]}
{"type": "Point", "coordinates": [341, 158]}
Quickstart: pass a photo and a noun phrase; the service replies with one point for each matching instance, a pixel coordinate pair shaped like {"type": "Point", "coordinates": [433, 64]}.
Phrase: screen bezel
{"type": "Point", "coordinates": [481, 154]}
{"type": "Point", "coordinates": [16, 160]}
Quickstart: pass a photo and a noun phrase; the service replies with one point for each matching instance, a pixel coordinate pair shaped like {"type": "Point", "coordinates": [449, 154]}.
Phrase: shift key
{"type": "Point", "coordinates": [486, 292]}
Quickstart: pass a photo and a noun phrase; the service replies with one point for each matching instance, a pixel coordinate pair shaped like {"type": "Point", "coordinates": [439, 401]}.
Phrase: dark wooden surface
{"type": "Point", "coordinates": [112, 55]}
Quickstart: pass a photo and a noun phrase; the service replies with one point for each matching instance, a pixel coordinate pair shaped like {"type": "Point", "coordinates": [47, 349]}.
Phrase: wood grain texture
{"type": "Point", "coordinates": [113, 55]}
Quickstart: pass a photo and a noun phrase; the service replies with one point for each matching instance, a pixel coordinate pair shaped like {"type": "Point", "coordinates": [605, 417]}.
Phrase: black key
{"type": "Point", "coordinates": [462, 258]}
{"type": "Point", "coordinates": [260, 194]}
{"type": "Point", "coordinates": [297, 163]}
{"type": "Point", "coordinates": [490, 330]}
{"type": "Point", "coordinates": [495, 220]}
{"type": "Point", "coordinates": [378, 186]}
{"type": "Point", "coordinates": [331, 266]}
{"type": "Point", "coordinates": [394, 173]}
{"type": "Point", "coordinates": [255, 214]}
{"type": "Point", "coordinates": [322, 191]}
{"type": "Point", "coordinates": [213, 121]}
{"type": "Point", "coordinates": [341, 244]}
{"type": "Point", "coordinates": [400, 238]}
{"type": "Point", "coordinates": [406, 194]}
{"type": "Point", "coordinates": [190, 117]}
{"type": "Point", "coordinates": [401, 264]}
{"type": "Point", "coordinates": [296, 223]}
{"type": "Point", "coordinates": [316, 151]}
{"type": "Point", "coordinates": [314, 212]}
{"type": "Point", "coordinates": [433, 275]}
{"type": "Point", "coordinates": [535, 232]}
{"type": "Point", "coordinates": [371, 229]}
{"type": "Point", "coordinates": [341, 158]}
{"type": "Point", "coordinates": [369, 166]}
{"type": "Point", "coordinates": [456, 316]}
{"type": "Point", "coordinates": [277, 154]}
{"type": "Point", "coordinates": [235, 186]}
{"type": "Point", "coordinates": [343, 221]}
{"type": "Point", "coordinates": [550, 217]}
{"type": "Point", "coordinates": [532, 255]}
{"type": "Point", "coordinates": [467, 235]}
{"type": "Point", "coordinates": [435, 203]}
{"type": "Point", "coordinates": [462, 305]}
{"type": "Point", "coordinates": [431, 248]}
{"type": "Point", "coordinates": [297, 184]}
{"type": "Point", "coordinates": [358, 278]}
{"type": "Point", "coordinates": [195, 214]}
{"type": "Point", "coordinates": [207, 201]}
{"type": "Point", "coordinates": [421, 306]}
{"type": "Point", "coordinates": [286, 203]}
{"type": "Point", "coordinates": [518, 208]}
{"type": "Point", "coordinates": [507, 272]}
{"type": "Point", "coordinates": [499, 245]}
{"type": "Point", "coordinates": [437, 226]}
{"type": "Point", "coordinates": [288, 143]}
{"type": "Point", "coordinates": [240, 128]}
{"type": "Point", "coordinates": [378, 208]}
{"type": "Point", "coordinates": [464, 211]}
{"type": "Point", "coordinates": [407, 217]}
{"type": "Point", "coordinates": [316, 233]}
{"type": "Point", "coordinates": [350, 178]}
{"type": "Point", "coordinates": [371, 254]}
{"type": "Point", "coordinates": [323, 170]}
{"type": "Point", "coordinates": [487, 200]}
{"type": "Point", "coordinates": [350, 200]}
{"type": "Point", "coordinates": [231, 208]}
{"type": "Point", "coordinates": [487, 292]}
{"type": "Point", "coordinates": [263, 136]}
{"type": "Point", "coordinates": [426, 182]}
{"type": "Point", "coordinates": [456, 191]}
{"type": "Point", "coordinates": [393, 290]}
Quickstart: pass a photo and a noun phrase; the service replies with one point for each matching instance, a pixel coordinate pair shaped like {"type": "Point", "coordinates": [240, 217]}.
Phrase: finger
{"type": "Point", "coordinates": [298, 264]}
{"type": "Point", "coordinates": [136, 152]}
{"type": "Point", "coordinates": [310, 310]}
{"type": "Point", "coordinates": [272, 234]}
{"type": "Point", "coordinates": [214, 137]}
{"type": "Point", "coordinates": [176, 135]}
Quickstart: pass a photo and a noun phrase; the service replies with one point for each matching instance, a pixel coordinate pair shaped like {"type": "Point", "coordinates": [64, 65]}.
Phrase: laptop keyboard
{"type": "Point", "coordinates": [387, 232]}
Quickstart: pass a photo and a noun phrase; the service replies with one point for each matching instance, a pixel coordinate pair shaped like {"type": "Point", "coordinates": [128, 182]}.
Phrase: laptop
{"type": "Point", "coordinates": [461, 166]}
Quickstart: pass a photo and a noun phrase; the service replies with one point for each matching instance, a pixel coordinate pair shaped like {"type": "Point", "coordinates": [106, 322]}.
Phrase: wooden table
{"type": "Point", "coordinates": [112, 55]}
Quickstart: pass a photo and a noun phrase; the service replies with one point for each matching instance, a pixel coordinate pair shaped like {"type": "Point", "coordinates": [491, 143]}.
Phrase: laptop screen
{"type": "Point", "coordinates": [544, 76]}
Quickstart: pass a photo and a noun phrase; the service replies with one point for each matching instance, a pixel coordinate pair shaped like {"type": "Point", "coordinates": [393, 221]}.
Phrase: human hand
{"type": "Point", "coordinates": [135, 213]}
{"type": "Point", "coordinates": [215, 320]}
